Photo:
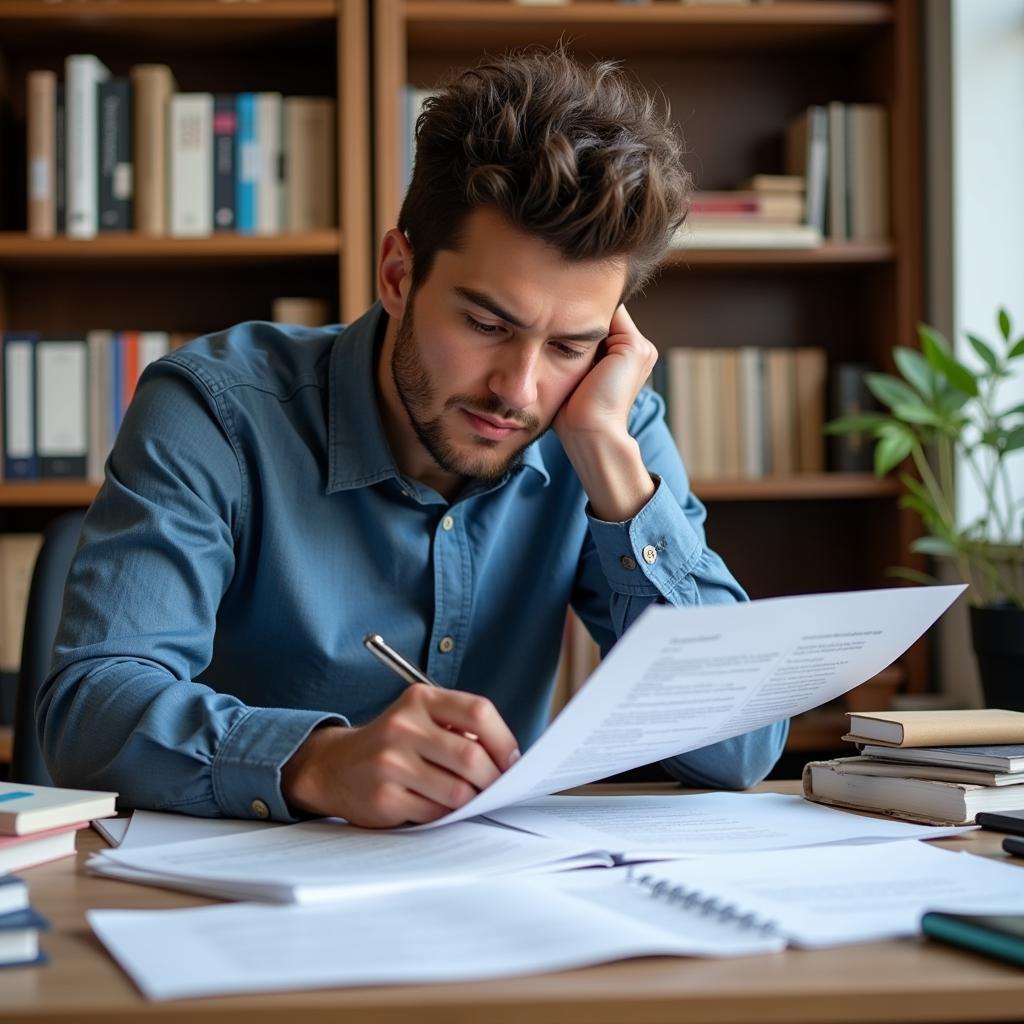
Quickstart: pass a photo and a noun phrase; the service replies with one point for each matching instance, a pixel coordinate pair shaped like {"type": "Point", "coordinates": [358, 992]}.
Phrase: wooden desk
{"type": "Point", "coordinates": [913, 980]}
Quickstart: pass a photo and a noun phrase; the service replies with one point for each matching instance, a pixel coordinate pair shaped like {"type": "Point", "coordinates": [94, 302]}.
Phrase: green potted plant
{"type": "Point", "coordinates": [936, 413]}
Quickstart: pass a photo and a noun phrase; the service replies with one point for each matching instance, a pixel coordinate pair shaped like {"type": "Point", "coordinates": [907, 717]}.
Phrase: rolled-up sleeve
{"type": "Point", "coordinates": [661, 555]}
{"type": "Point", "coordinates": [121, 709]}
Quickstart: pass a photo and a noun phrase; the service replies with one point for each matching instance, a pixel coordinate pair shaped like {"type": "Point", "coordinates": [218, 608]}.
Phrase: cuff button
{"type": "Point", "coordinates": [259, 809]}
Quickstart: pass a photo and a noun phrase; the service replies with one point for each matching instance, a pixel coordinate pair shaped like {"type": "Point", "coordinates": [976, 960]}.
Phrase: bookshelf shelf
{"type": "Point", "coordinates": [828, 255]}
{"type": "Point", "coordinates": [19, 249]}
{"type": "Point", "coordinates": [807, 486]}
{"type": "Point", "coordinates": [498, 24]}
{"type": "Point", "coordinates": [47, 494]}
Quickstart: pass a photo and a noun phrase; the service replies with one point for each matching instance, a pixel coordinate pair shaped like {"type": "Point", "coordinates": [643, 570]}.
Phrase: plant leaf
{"type": "Point", "coordinates": [891, 451]}
{"type": "Point", "coordinates": [1017, 350]}
{"type": "Point", "coordinates": [851, 424]}
{"type": "Point", "coordinates": [984, 351]}
{"type": "Point", "coordinates": [932, 546]}
{"type": "Point", "coordinates": [910, 574]}
{"type": "Point", "coordinates": [932, 339]}
{"type": "Point", "coordinates": [917, 413]}
{"type": "Point", "coordinates": [1004, 324]}
{"type": "Point", "coordinates": [916, 370]}
{"type": "Point", "coordinates": [1014, 439]}
{"type": "Point", "coordinates": [889, 390]}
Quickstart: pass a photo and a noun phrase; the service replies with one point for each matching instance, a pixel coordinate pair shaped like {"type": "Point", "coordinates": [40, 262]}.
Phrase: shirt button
{"type": "Point", "coordinates": [259, 809]}
{"type": "Point", "coordinates": [447, 523]}
{"type": "Point", "coordinates": [627, 562]}
{"type": "Point", "coordinates": [650, 554]}
{"type": "Point", "coordinates": [446, 645]}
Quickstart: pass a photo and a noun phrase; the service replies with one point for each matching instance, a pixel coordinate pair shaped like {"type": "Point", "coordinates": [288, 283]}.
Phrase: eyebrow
{"type": "Point", "coordinates": [486, 302]}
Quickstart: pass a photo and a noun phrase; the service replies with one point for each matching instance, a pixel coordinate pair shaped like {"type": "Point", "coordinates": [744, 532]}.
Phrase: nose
{"type": "Point", "coordinates": [513, 379]}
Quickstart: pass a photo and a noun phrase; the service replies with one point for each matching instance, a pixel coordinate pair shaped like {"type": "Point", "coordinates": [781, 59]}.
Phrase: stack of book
{"type": "Point", "coordinates": [768, 212]}
{"type": "Point", "coordinates": [20, 925]}
{"type": "Point", "coordinates": [935, 767]}
{"type": "Point", "coordinates": [38, 823]}
{"type": "Point", "coordinates": [132, 153]}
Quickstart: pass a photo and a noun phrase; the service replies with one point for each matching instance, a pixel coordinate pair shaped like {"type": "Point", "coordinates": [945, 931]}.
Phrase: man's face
{"type": "Point", "coordinates": [494, 341]}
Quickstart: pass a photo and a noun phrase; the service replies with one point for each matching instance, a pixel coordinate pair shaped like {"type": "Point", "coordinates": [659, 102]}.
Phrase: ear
{"type": "Point", "coordinates": [394, 272]}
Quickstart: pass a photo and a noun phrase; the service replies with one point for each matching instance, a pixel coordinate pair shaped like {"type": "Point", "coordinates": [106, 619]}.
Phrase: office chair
{"type": "Point", "coordinates": [45, 596]}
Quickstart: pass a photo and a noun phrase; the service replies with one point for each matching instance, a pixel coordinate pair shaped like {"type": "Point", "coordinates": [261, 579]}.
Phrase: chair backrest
{"type": "Point", "coordinates": [46, 594]}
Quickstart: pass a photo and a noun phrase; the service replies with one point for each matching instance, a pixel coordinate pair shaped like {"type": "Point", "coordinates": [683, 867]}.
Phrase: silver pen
{"type": "Point", "coordinates": [375, 644]}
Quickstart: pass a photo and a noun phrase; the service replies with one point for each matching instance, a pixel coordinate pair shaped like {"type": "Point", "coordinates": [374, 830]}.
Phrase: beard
{"type": "Point", "coordinates": [418, 394]}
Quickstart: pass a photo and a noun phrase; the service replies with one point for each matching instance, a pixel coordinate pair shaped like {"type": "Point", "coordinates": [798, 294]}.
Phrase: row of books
{"type": "Point", "coordinates": [935, 767]}
{"type": "Point", "coordinates": [745, 412]}
{"type": "Point", "coordinates": [842, 152]}
{"type": "Point", "coordinates": [64, 398]}
{"type": "Point", "coordinates": [37, 824]}
{"type": "Point", "coordinates": [134, 154]}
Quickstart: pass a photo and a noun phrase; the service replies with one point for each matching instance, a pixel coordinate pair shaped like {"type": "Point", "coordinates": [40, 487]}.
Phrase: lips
{"type": "Point", "coordinates": [493, 430]}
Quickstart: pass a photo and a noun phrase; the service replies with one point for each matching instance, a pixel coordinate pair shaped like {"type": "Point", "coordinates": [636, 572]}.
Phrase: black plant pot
{"type": "Point", "coordinates": [998, 636]}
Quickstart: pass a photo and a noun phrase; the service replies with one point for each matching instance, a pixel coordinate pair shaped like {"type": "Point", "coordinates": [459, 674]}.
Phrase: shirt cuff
{"type": "Point", "coordinates": [653, 553]}
{"type": "Point", "coordinates": [247, 767]}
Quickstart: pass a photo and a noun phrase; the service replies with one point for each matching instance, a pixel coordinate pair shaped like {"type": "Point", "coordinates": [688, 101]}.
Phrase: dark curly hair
{"type": "Point", "coordinates": [578, 155]}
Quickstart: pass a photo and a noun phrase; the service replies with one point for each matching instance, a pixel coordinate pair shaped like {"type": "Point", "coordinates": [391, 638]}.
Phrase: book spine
{"type": "Point", "coordinates": [851, 452]}
{"type": "Point", "coordinates": [248, 164]}
{"type": "Point", "coordinates": [60, 161]}
{"type": "Point", "coordinates": [752, 412]}
{"type": "Point", "coordinates": [810, 375]}
{"type": "Point", "coordinates": [730, 412]}
{"type": "Point", "coordinates": [62, 427]}
{"type": "Point", "coordinates": [309, 163]}
{"type": "Point", "coordinates": [100, 418]}
{"type": "Point", "coordinates": [152, 87]}
{"type": "Point", "coordinates": [268, 188]}
{"type": "Point", "coordinates": [20, 462]}
{"type": "Point", "coordinates": [115, 170]}
{"type": "Point", "coordinates": [129, 368]}
{"type": "Point", "coordinates": [837, 176]}
{"type": "Point", "coordinates": [225, 171]}
{"type": "Point", "coordinates": [191, 179]}
{"type": "Point", "coordinates": [83, 74]}
{"type": "Point", "coordinates": [680, 415]}
{"type": "Point", "coordinates": [41, 118]}
{"type": "Point", "coordinates": [781, 410]}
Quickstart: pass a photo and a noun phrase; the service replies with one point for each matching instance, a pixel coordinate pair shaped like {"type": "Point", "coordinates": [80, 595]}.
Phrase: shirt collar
{"type": "Point", "coordinates": [358, 454]}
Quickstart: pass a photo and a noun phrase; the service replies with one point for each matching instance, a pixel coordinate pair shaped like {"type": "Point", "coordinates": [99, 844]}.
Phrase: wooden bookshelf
{"type": "Point", "coordinates": [735, 76]}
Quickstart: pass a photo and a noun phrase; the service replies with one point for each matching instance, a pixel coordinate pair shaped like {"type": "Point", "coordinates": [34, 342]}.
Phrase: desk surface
{"type": "Point", "coordinates": [913, 980]}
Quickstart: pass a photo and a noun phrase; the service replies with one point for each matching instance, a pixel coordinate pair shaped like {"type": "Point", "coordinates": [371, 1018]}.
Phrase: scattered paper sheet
{"type": "Point", "coordinates": [505, 927]}
{"type": "Point", "coordinates": [683, 678]}
{"type": "Point", "coordinates": [323, 860]}
{"type": "Point", "coordinates": [691, 824]}
{"type": "Point", "coordinates": [160, 828]}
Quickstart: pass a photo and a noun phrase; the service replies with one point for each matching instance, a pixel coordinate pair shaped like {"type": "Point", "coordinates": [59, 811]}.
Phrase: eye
{"type": "Point", "coordinates": [481, 328]}
{"type": "Point", "coordinates": [567, 351]}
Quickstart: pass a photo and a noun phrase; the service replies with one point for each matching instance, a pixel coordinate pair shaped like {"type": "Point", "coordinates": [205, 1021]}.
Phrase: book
{"type": "Point", "coordinates": [25, 808]}
{"type": "Point", "coordinates": [115, 171]}
{"type": "Point", "coordinates": [807, 156]}
{"type": "Point", "coordinates": [269, 190]}
{"type": "Point", "coordinates": [19, 937]}
{"type": "Point", "coordinates": [852, 452]}
{"type": "Point", "coordinates": [999, 758]}
{"type": "Point", "coordinates": [41, 171]}
{"type": "Point", "coordinates": [20, 462]}
{"type": "Point", "coordinates": [680, 409]}
{"type": "Point", "coordinates": [295, 309]}
{"type": "Point", "coordinates": [20, 852]}
{"type": "Point", "coordinates": [997, 935]}
{"type": "Point", "coordinates": [929, 801]}
{"type": "Point", "coordinates": [191, 162]}
{"type": "Point", "coordinates": [873, 765]}
{"type": "Point", "coordinates": [837, 206]}
{"type": "Point", "coordinates": [13, 894]}
{"type": "Point", "coordinates": [225, 157]}
{"type": "Point", "coordinates": [62, 423]}
{"type": "Point", "coordinates": [809, 398]}
{"type": "Point", "coordinates": [754, 442]}
{"type": "Point", "coordinates": [101, 413]}
{"type": "Point", "coordinates": [747, 235]}
{"type": "Point", "coordinates": [310, 185]}
{"type": "Point", "coordinates": [60, 160]}
{"type": "Point", "coordinates": [248, 164]}
{"type": "Point", "coordinates": [936, 728]}
{"type": "Point", "coordinates": [730, 425]}
{"type": "Point", "coordinates": [18, 552]}
{"type": "Point", "coordinates": [83, 73]}
{"type": "Point", "coordinates": [779, 388]}
{"type": "Point", "coordinates": [152, 87]}
{"type": "Point", "coordinates": [868, 171]}
{"type": "Point", "coordinates": [776, 184]}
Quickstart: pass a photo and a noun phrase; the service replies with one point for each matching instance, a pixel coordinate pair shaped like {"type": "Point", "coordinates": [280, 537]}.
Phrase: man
{"type": "Point", "coordinates": [451, 471]}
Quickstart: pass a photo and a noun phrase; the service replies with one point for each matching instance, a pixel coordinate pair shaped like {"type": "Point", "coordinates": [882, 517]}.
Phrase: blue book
{"type": "Point", "coordinates": [19, 938]}
{"type": "Point", "coordinates": [19, 374]}
{"type": "Point", "coordinates": [247, 164]}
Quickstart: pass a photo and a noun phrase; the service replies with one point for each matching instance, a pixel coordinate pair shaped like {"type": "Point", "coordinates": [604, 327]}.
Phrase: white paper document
{"type": "Point", "coordinates": [831, 895]}
{"type": "Point", "coordinates": [505, 927]}
{"type": "Point", "coordinates": [693, 824]}
{"type": "Point", "coordinates": [683, 678]}
{"type": "Point", "coordinates": [324, 860]}
{"type": "Point", "coordinates": [161, 828]}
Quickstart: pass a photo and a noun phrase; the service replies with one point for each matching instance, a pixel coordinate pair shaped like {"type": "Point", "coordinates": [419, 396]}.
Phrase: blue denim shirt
{"type": "Point", "coordinates": [253, 527]}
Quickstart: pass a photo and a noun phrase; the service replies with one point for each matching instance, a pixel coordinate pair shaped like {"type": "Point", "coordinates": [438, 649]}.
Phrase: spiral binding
{"type": "Point", "coordinates": [694, 899]}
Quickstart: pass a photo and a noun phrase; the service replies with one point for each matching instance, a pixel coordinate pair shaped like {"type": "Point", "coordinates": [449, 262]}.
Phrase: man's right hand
{"type": "Point", "coordinates": [415, 762]}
